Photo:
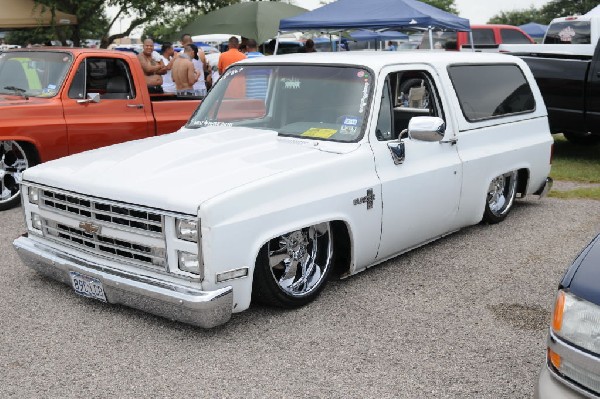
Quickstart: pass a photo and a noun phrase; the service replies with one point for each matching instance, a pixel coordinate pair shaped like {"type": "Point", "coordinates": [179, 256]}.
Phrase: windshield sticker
{"type": "Point", "coordinates": [360, 74]}
{"type": "Point", "coordinates": [319, 133]}
{"type": "Point", "coordinates": [232, 72]}
{"type": "Point", "coordinates": [292, 83]}
{"type": "Point", "coordinates": [363, 100]}
{"type": "Point", "coordinates": [567, 34]}
{"type": "Point", "coordinates": [51, 87]}
{"type": "Point", "coordinates": [349, 125]}
{"type": "Point", "coordinates": [204, 123]}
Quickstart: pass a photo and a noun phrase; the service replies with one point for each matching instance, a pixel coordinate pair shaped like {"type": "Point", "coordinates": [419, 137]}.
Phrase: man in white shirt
{"type": "Point", "coordinates": [168, 56]}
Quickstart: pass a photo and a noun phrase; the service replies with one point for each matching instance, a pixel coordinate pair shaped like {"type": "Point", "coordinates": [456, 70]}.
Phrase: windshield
{"type": "Point", "coordinates": [305, 101]}
{"type": "Point", "coordinates": [33, 73]}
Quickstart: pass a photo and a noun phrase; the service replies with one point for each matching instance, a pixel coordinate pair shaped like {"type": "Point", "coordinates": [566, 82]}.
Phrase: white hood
{"type": "Point", "coordinates": [177, 172]}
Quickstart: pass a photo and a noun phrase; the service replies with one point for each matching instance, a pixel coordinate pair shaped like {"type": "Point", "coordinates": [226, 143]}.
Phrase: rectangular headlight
{"type": "Point", "coordinates": [577, 321]}
{"type": "Point", "coordinates": [33, 195]}
{"type": "Point", "coordinates": [187, 229]}
{"type": "Point", "coordinates": [188, 262]}
{"type": "Point", "coordinates": [36, 221]}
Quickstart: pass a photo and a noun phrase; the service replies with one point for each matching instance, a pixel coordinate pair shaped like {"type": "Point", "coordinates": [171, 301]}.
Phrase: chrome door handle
{"type": "Point", "coordinates": [138, 106]}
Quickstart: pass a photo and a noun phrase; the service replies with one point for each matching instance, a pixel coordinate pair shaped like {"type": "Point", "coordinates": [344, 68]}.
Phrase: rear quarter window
{"type": "Point", "coordinates": [513, 36]}
{"type": "Point", "coordinates": [482, 36]}
{"type": "Point", "coordinates": [491, 91]}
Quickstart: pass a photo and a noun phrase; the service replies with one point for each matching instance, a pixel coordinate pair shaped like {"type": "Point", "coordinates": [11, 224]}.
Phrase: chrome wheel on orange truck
{"type": "Point", "coordinates": [13, 161]}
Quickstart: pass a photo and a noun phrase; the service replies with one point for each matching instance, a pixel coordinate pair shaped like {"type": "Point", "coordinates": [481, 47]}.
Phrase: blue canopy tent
{"type": "Point", "coordinates": [364, 35]}
{"type": "Point", "coordinates": [375, 14]}
{"type": "Point", "coordinates": [534, 30]}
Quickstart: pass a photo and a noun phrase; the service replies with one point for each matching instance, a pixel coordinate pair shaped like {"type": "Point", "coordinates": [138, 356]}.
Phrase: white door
{"type": "Point", "coordinates": [420, 195]}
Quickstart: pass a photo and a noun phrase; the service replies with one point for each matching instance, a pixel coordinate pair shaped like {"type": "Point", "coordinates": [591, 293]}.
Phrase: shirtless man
{"type": "Point", "coordinates": [153, 69]}
{"type": "Point", "coordinates": [187, 39]}
{"type": "Point", "coordinates": [183, 72]}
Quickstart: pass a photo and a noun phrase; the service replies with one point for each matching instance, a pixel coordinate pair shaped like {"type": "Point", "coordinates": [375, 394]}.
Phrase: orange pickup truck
{"type": "Point", "coordinates": [57, 102]}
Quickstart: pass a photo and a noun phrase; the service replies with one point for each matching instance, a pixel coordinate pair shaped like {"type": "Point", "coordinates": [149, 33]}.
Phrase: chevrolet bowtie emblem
{"type": "Point", "coordinates": [89, 227]}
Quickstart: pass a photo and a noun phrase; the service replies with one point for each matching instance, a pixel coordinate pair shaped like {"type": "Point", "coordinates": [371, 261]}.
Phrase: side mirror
{"type": "Point", "coordinates": [426, 128]}
{"type": "Point", "coordinates": [91, 98]}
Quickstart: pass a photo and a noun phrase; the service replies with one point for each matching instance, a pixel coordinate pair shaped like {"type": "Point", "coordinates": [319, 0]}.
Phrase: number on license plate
{"type": "Point", "coordinates": [88, 286]}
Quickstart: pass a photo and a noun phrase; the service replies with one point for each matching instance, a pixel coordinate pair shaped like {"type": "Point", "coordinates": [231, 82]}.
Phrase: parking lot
{"type": "Point", "coordinates": [465, 316]}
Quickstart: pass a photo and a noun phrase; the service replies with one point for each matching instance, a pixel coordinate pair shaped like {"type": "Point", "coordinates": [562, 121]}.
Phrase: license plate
{"type": "Point", "coordinates": [88, 286]}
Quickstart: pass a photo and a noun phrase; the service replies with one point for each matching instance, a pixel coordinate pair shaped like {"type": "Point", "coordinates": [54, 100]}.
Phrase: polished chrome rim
{"type": "Point", "coordinates": [299, 260]}
{"type": "Point", "coordinates": [501, 193]}
{"type": "Point", "coordinates": [13, 162]}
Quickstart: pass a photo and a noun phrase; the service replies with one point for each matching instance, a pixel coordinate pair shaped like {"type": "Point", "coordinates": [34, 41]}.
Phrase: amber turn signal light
{"type": "Point", "coordinates": [559, 307]}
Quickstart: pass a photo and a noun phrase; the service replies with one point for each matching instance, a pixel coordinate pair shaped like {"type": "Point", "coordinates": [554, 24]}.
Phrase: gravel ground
{"type": "Point", "coordinates": [463, 317]}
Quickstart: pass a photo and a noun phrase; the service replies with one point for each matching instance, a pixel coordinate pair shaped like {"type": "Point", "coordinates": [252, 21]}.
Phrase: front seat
{"type": "Point", "coordinates": [117, 88]}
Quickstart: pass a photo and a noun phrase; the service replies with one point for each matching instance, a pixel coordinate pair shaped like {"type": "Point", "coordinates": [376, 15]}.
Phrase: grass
{"type": "Point", "coordinates": [575, 163]}
{"type": "Point", "coordinates": [583, 192]}
{"type": "Point", "coordinates": [578, 164]}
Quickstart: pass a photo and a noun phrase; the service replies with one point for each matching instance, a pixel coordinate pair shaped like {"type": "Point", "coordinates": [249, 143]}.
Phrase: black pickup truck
{"type": "Point", "coordinates": [567, 70]}
{"type": "Point", "coordinates": [570, 85]}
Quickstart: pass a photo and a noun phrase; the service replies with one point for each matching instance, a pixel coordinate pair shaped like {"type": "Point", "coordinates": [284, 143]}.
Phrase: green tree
{"type": "Point", "coordinates": [564, 8]}
{"type": "Point", "coordinates": [545, 14]}
{"type": "Point", "coordinates": [91, 23]}
{"type": "Point", "coordinates": [446, 5]}
{"type": "Point", "coordinates": [94, 23]}
{"type": "Point", "coordinates": [518, 17]}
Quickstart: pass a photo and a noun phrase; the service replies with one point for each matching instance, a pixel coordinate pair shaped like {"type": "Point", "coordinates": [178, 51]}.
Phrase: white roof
{"type": "Point", "coordinates": [379, 59]}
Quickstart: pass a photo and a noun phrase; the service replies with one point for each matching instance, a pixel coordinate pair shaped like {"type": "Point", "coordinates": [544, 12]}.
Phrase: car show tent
{"type": "Point", "coordinates": [375, 14]}
{"type": "Point", "coordinates": [534, 30]}
{"type": "Point", "coordinates": [18, 14]}
{"type": "Point", "coordinates": [257, 20]}
{"type": "Point", "coordinates": [343, 15]}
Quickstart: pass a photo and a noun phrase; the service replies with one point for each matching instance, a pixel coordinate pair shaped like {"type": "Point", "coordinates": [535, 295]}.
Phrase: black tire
{"type": "Point", "coordinates": [500, 197]}
{"type": "Point", "coordinates": [15, 157]}
{"type": "Point", "coordinates": [291, 270]}
{"type": "Point", "coordinates": [583, 139]}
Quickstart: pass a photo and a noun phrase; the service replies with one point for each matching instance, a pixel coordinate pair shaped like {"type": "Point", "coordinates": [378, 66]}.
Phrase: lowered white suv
{"type": "Point", "coordinates": [292, 166]}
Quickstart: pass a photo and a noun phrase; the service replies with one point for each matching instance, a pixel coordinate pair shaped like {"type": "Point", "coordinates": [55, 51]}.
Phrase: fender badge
{"type": "Point", "coordinates": [368, 199]}
{"type": "Point", "coordinates": [89, 227]}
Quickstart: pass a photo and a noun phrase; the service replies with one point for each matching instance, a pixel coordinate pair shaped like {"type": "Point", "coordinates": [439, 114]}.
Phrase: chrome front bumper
{"type": "Point", "coordinates": [163, 298]}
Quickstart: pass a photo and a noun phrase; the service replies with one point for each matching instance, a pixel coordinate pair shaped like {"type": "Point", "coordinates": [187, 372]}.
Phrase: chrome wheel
{"type": "Point", "coordinates": [300, 261]}
{"type": "Point", "coordinates": [500, 196]}
{"type": "Point", "coordinates": [13, 161]}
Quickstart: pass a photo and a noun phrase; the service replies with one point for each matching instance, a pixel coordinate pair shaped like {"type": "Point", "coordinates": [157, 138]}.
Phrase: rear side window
{"type": "Point", "coordinates": [482, 36]}
{"type": "Point", "coordinates": [491, 91]}
{"type": "Point", "coordinates": [569, 32]}
{"type": "Point", "coordinates": [513, 36]}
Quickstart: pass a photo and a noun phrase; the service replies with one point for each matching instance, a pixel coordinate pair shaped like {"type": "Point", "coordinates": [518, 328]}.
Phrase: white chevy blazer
{"type": "Point", "coordinates": [293, 166]}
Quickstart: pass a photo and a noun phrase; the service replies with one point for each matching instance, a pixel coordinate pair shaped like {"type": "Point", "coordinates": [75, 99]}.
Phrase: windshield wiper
{"type": "Point", "coordinates": [18, 91]}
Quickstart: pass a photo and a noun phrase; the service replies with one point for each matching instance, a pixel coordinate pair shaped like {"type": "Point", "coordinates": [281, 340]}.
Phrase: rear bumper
{"type": "Point", "coordinates": [545, 188]}
{"type": "Point", "coordinates": [163, 298]}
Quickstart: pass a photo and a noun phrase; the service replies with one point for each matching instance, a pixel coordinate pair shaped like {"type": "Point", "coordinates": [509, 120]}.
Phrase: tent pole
{"type": "Point", "coordinates": [340, 42]}
{"type": "Point", "coordinates": [331, 42]}
{"type": "Point", "coordinates": [430, 38]}
{"type": "Point", "coordinates": [276, 43]}
{"type": "Point", "coordinates": [472, 43]}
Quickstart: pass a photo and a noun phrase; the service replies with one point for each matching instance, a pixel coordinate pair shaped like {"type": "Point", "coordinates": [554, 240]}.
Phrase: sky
{"type": "Point", "coordinates": [477, 11]}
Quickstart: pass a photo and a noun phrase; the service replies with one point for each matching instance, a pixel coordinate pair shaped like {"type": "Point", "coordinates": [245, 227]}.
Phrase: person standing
{"type": "Point", "coordinates": [184, 74]}
{"type": "Point", "coordinates": [186, 38]}
{"type": "Point", "coordinates": [200, 85]}
{"type": "Point", "coordinates": [309, 47]}
{"type": "Point", "coordinates": [153, 70]}
{"type": "Point", "coordinates": [168, 54]}
{"type": "Point", "coordinates": [230, 56]}
{"type": "Point", "coordinates": [257, 80]}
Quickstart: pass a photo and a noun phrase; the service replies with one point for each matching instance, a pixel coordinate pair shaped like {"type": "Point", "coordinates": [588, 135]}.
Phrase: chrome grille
{"type": "Point", "coordinates": [118, 215]}
{"type": "Point", "coordinates": [115, 248]}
